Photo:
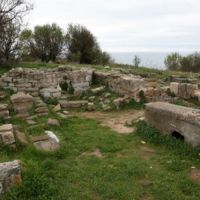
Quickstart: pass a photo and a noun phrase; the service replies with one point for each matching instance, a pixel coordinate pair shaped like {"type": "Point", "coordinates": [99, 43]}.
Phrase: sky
{"type": "Point", "coordinates": [128, 25]}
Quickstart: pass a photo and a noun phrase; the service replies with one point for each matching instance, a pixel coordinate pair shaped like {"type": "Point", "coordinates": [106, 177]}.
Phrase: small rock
{"type": "Point", "coordinates": [50, 142]}
{"type": "Point", "coordinates": [21, 137]}
{"type": "Point", "coordinates": [53, 122]}
{"type": "Point", "coordinates": [31, 122]}
{"type": "Point", "coordinates": [91, 107]}
{"type": "Point", "coordinates": [106, 108]}
{"type": "Point", "coordinates": [6, 134]}
{"type": "Point", "coordinates": [91, 99]}
{"type": "Point", "coordinates": [57, 108]}
{"type": "Point", "coordinates": [107, 95]}
{"type": "Point", "coordinates": [98, 90]}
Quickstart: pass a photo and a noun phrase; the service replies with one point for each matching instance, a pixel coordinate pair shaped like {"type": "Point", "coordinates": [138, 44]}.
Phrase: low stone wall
{"type": "Point", "coordinates": [46, 81]}
{"type": "Point", "coordinates": [169, 119]}
{"type": "Point", "coordinates": [33, 80]}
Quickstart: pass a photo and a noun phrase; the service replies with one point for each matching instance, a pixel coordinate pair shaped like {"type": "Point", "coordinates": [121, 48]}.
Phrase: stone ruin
{"type": "Point", "coordinates": [178, 121]}
{"type": "Point", "coordinates": [46, 82]}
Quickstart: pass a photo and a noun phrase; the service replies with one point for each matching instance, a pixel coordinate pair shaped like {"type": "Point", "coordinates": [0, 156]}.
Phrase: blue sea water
{"type": "Point", "coordinates": [148, 59]}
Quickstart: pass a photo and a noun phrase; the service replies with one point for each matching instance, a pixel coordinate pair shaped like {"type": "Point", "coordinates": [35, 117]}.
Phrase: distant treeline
{"type": "Point", "coordinates": [47, 42]}
{"type": "Point", "coordinates": [189, 63]}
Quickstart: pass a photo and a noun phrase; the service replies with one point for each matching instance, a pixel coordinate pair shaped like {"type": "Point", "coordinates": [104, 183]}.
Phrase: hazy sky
{"type": "Point", "coordinates": [128, 25]}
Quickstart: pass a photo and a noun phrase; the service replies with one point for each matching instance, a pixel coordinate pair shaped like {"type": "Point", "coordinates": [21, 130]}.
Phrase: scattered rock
{"type": "Point", "coordinates": [4, 112]}
{"type": "Point", "coordinates": [49, 142]}
{"type": "Point", "coordinates": [107, 95]}
{"type": "Point", "coordinates": [2, 94]}
{"type": "Point", "coordinates": [21, 137]}
{"type": "Point", "coordinates": [6, 134]}
{"type": "Point", "coordinates": [31, 122]}
{"type": "Point", "coordinates": [73, 104]}
{"type": "Point", "coordinates": [53, 122]}
{"type": "Point", "coordinates": [91, 107]}
{"type": "Point", "coordinates": [119, 101]}
{"type": "Point", "coordinates": [91, 99]}
{"type": "Point", "coordinates": [57, 108]}
{"type": "Point", "coordinates": [106, 107]}
{"type": "Point", "coordinates": [10, 175]}
{"type": "Point", "coordinates": [195, 175]}
{"type": "Point", "coordinates": [98, 90]}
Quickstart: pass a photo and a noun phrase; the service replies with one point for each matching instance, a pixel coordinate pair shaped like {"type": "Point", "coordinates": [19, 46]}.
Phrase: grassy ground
{"type": "Point", "coordinates": [128, 169]}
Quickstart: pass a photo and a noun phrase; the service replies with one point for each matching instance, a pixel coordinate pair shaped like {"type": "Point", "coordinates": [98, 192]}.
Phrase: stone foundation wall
{"type": "Point", "coordinates": [46, 81]}
{"type": "Point", "coordinates": [32, 81]}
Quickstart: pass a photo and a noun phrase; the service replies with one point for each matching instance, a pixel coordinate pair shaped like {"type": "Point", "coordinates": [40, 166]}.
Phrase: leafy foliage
{"type": "Point", "coordinates": [83, 47]}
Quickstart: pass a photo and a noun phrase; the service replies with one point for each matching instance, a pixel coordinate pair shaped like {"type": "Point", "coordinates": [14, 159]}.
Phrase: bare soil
{"type": "Point", "coordinates": [195, 175]}
{"type": "Point", "coordinates": [118, 121]}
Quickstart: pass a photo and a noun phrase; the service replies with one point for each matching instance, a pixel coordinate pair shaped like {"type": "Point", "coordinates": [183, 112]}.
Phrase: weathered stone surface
{"type": "Point", "coordinates": [10, 175]}
{"type": "Point", "coordinates": [53, 122]}
{"type": "Point", "coordinates": [91, 107]}
{"type": "Point", "coordinates": [169, 118]}
{"type": "Point", "coordinates": [183, 90]}
{"type": "Point", "coordinates": [72, 104]}
{"type": "Point", "coordinates": [122, 84]}
{"type": "Point", "coordinates": [57, 108]}
{"type": "Point", "coordinates": [4, 112]}
{"type": "Point", "coordinates": [6, 134]}
{"type": "Point", "coordinates": [97, 90]}
{"type": "Point", "coordinates": [53, 93]}
{"type": "Point", "coordinates": [22, 103]}
{"type": "Point", "coordinates": [21, 137]}
{"type": "Point", "coordinates": [80, 80]}
{"type": "Point", "coordinates": [2, 94]}
{"type": "Point", "coordinates": [121, 100]}
{"type": "Point", "coordinates": [51, 143]}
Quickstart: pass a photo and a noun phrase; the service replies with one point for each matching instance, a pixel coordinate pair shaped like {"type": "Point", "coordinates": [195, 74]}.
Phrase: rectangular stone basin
{"type": "Point", "coordinates": [170, 119]}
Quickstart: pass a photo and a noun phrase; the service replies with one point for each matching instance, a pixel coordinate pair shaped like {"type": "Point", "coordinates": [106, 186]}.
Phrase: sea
{"type": "Point", "coordinates": [148, 59]}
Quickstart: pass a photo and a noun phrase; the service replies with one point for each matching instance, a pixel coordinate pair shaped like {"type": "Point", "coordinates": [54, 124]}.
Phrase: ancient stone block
{"type": "Point", "coordinates": [6, 134]}
{"type": "Point", "coordinates": [170, 119]}
{"type": "Point", "coordinates": [22, 103]}
{"type": "Point", "coordinates": [4, 112]}
{"type": "Point", "coordinates": [10, 175]}
{"type": "Point", "coordinates": [72, 104]}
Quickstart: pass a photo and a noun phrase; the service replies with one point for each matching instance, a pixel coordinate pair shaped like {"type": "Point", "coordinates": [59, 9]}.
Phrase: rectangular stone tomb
{"type": "Point", "coordinates": [179, 121]}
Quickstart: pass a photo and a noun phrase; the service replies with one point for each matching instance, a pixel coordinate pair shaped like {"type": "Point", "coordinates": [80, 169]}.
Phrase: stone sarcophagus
{"type": "Point", "coordinates": [173, 119]}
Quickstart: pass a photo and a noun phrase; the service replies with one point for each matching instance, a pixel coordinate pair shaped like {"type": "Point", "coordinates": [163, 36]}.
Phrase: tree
{"type": "Point", "coordinates": [45, 43]}
{"type": "Point", "coordinates": [191, 63]}
{"type": "Point", "coordinates": [11, 16]}
{"type": "Point", "coordinates": [173, 61]}
{"type": "Point", "coordinates": [83, 47]}
{"type": "Point", "coordinates": [136, 61]}
{"type": "Point", "coordinates": [9, 44]}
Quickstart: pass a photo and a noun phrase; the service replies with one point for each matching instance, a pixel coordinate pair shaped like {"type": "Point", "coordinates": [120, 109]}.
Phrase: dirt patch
{"type": "Point", "coordinates": [146, 152]}
{"type": "Point", "coordinates": [195, 175]}
{"type": "Point", "coordinates": [117, 120]}
{"type": "Point", "coordinates": [144, 182]}
{"type": "Point", "coordinates": [96, 153]}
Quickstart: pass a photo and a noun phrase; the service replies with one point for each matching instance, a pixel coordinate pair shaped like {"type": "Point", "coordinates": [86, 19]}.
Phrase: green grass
{"type": "Point", "coordinates": [67, 174]}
